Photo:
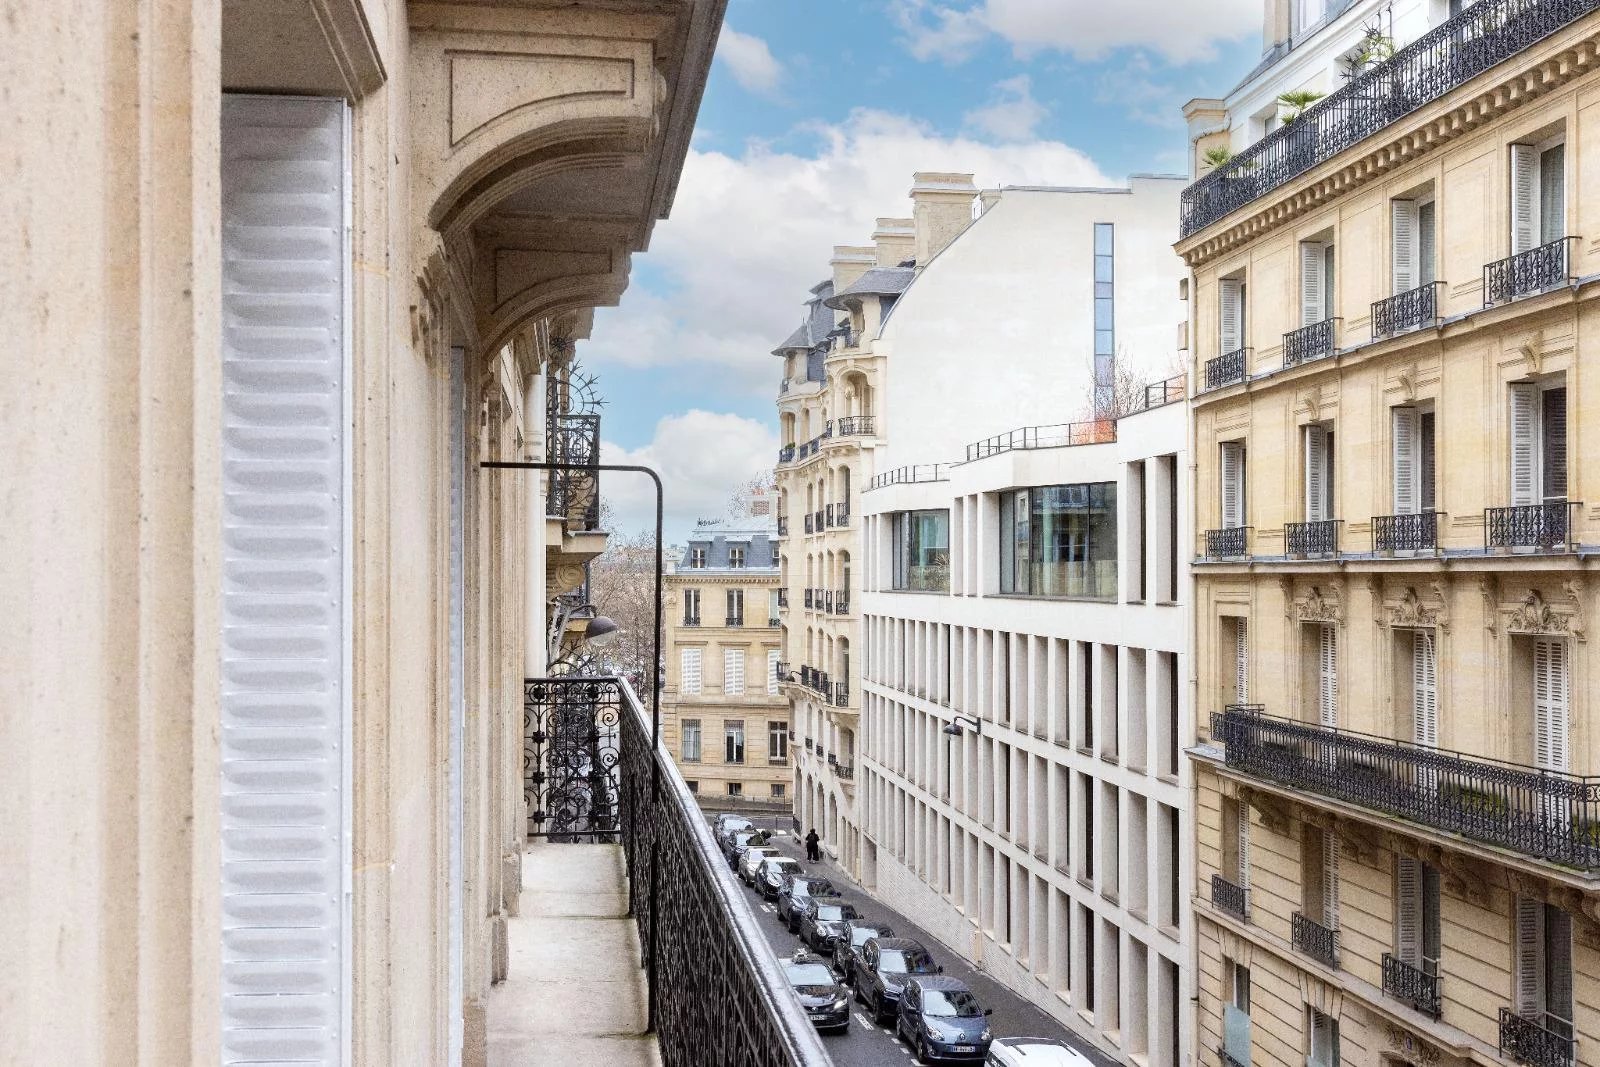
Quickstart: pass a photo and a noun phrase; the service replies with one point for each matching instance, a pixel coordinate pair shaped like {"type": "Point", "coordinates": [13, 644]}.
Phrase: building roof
{"type": "Point", "coordinates": [879, 281]}
{"type": "Point", "coordinates": [759, 540]}
{"type": "Point", "coordinates": [819, 321]}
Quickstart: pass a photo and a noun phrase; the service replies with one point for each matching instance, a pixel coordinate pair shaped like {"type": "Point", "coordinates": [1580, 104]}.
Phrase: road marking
{"type": "Point", "coordinates": [865, 1021]}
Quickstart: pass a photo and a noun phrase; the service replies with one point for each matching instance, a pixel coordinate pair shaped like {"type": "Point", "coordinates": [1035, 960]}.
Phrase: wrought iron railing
{"type": "Point", "coordinates": [786, 454]}
{"type": "Point", "coordinates": [691, 620]}
{"type": "Point", "coordinates": [1230, 542]}
{"type": "Point", "coordinates": [810, 744]}
{"type": "Point", "coordinates": [845, 771]}
{"type": "Point", "coordinates": [575, 487]}
{"type": "Point", "coordinates": [809, 527]}
{"type": "Point", "coordinates": [773, 621]}
{"type": "Point", "coordinates": [1226, 369]}
{"type": "Point", "coordinates": [1309, 343]}
{"type": "Point", "coordinates": [827, 512]}
{"type": "Point", "coordinates": [1410, 310]}
{"type": "Point", "coordinates": [826, 603]}
{"type": "Point", "coordinates": [1058, 435]}
{"type": "Point", "coordinates": [1527, 273]}
{"type": "Point", "coordinates": [816, 521]}
{"type": "Point", "coordinates": [781, 669]}
{"type": "Point", "coordinates": [716, 993]}
{"type": "Point", "coordinates": [783, 526]}
{"type": "Point", "coordinates": [783, 598]}
{"type": "Point", "coordinates": [1315, 940]}
{"type": "Point", "coordinates": [1170, 391]}
{"type": "Point", "coordinates": [1412, 986]}
{"type": "Point", "coordinates": [1229, 898]}
{"type": "Point", "coordinates": [1417, 532]}
{"type": "Point", "coordinates": [1543, 814]}
{"type": "Point", "coordinates": [1308, 539]}
{"type": "Point", "coordinates": [1541, 526]}
{"type": "Point", "coordinates": [809, 594]}
{"type": "Point", "coordinates": [1526, 1040]}
{"type": "Point", "coordinates": [841, 601]}
{"type": "Point", "coordinates": [841, 694]}
{"type": "Point", "coordinates": [1225, 1058]}
{"type": "Point", "coordinates": [921, 472]}
{"type": "Point", "coordinates": [856, 425]}
{"type": "Point", "coordinates": [734, 620]}
{"type": "Point", "coordinates": [1451, 54]}
{"type": "Point", "coordinates": [841, 515]}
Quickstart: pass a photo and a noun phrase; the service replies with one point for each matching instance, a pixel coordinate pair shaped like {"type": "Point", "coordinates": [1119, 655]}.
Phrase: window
{"type": "Point", "coordinates": [777, 742]}
{"type": "Point", "coordinates": [1316, 282]}
{"type": "Point", "coordinates": [1059, 540]}
{"type": "Point", "coordinates": [736, 789]}
{"type": "Point", "coordinates": [1324, 1039]}
{"type": "Point", "coordinates": [1231, 315]}
{"type": "Point", "coordinates": [735, 607]}
{"type": "Point", "coordinates": [1327, 675]}
{"type": "Point", "coordinates": [772, 607]}
{"type": "Point", "coordinates": [693, 784]}
{"type": "Point", "coordinates": [1538, 194]}
{"type": "Point", "coordinates": [778, 790]}
{"type": "Point", "coordinates": [1412, 242]}
{"type": "Point", "coordinates": [921, 551]}
{"type": "Point", "coordinates": [697, 558]}
{"type": "Point", "coordinates": [733, 741]}
{"type": "Point", "coordinates": [1235, 842]}
{"type": "Point", "coordinates": [1105, 336]}
{"type": "Point", "coordinates": [1319, 881]}
{"type": "Point", "coordinates": [1412, 439]}
{"type": "Point", "coordinates": [1307, 13]}
{"type": "Point", "coordinates": [733, 671]}
{"type": "Point", "coordinates": [1543, 973]}
{"type": "Point", "coordinates": [1417, 930]}
{"type": "Point", "coordinates": [689, 746]}
{"type": "Point", "coordinates": [736, 557]}
{"type": "Point", "coordinates": [1236, 1013]}
{"type": "Point", "coordinates": [1319, 472]}
{"type": "Point", "coordinates": [772, 671]}
{"type": "Point", "coordinates": [689, 680]}
{"type": "Point", "coordinates": [1539, 441]}
{"type": "Point", "coordinates": [1233, 484]}
{"type": "Point", "coordinates": [691, 607]}
{"type": "Point", "coordinates": [1550, 726]}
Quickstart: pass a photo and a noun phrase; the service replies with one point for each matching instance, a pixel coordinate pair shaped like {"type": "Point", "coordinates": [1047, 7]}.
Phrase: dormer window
{"type": "Point", "coordinates": [697, 558]}
{"type": "Point", "coordinates": [736, 557]}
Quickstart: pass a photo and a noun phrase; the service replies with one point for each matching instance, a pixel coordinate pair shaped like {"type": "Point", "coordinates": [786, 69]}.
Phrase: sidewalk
{"type": "Point", "coordinates": [575, 994]}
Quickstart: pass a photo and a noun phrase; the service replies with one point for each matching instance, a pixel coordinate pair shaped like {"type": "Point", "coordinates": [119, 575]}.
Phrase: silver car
{"type": "Point", "coordinates": [751, 861]}
{"type": "Point", "coordinates": [1031, 1051]}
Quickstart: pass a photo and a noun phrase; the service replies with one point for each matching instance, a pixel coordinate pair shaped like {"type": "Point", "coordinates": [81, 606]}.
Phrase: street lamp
{"type": "Point", "coordinates": [953, 727]}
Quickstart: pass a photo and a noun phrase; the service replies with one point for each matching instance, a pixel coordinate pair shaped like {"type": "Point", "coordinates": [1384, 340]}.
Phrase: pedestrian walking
{"type": "Point", "coordinates": [813, 853]}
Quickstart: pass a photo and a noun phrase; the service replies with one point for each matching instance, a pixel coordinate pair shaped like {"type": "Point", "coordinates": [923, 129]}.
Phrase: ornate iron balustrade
{"type": "Point", "coordinates": [1450, 55]}
{"type": "Point", "coordinates": [1304, 539]}
{"type": "Point", "coordinates": [1412, 986]}
{"type": "Point", "coordinates": [1227, 1060]}
{"type": "Point", "coordinates": [1410, 310]}
{"type": "Point", "coordinates": [816, 521]}
{"type": "Point", "coordinates": [810, 744]}
{"type": "Point", "coordinates": [822, 685]}
{"type": "Point", "coordinates": [575, 488]}
{"type": "Point", "coordinates": [857, 425]}
{"type": "Point", "coordinates": [809, 528]}
{"type": "Point", "coordinates": [841, 517]}
{"type": "Point", "coordinates": [1527, 273]}
{"type": "Point", "coordinates": [1541, 526]}
{"type": "Point", "coordinates": [1418, 532]}
{"type": "Point", "coordinates": [1057, 435]}
{"type": "Point", "coordinates": [844, 771]}
{"type": "Point", "coordinates": [826, 603]}
{"type": "Point", "coordinates": [781, 669]}
{"type": "Point", "coordinates": [734, 620]}
{"type": "Point", "coordinates": [1546, 815]}
{"type": "Point", "coordinates": [921, 472]}
{"type": "Point", "coordinates": [1158, 394]}
{"type": "Point", "coordinates": [841, 694]}
{"type": "Point", "coordinates": [1309, 343]}
{"type": "Point", "coordinates": [1528, 1041]}
{"type": "Point", "coordinates": [691, 620]}
{"type": "Point", "coordinates": [841, 602]}
{"type": "Point", "coordinates": [808, 597]}
{"type": "Point", "coordinates": [774, 622]}
{"type": "Point", "coordinates": [1232, 542]}
{"type": "Point", "coordinates": [1229, 898]}
{"type": "Point", "coordinates": [570, 754]}
{"type": "Point", "coordinates": [1315, 940]}
{"type": "Point", "coordinates": [786, 454]}
{"type": "Point", "coordinates": [827, 512]}
{"type": "Point", "coordinates": [783, 598]}
{"type": "Point", "coordinates": [1226, 369]}
{"type": "Point", "coordinates": [783, 526]}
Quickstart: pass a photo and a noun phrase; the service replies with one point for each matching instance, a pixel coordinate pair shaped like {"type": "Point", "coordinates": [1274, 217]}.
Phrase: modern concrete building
{"type": "Point", "coordinates": [279, 276]}
{"type": "Point", "coordinates": [1396, 780]}
{"type": "Point", "coordinates": [723, 717]}
{"type": "Point", "coordinates": [1022, 589]}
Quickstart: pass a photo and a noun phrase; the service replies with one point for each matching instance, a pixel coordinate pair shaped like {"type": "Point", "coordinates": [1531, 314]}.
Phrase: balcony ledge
{"type": "Point", "coordinates": [1464, 559]}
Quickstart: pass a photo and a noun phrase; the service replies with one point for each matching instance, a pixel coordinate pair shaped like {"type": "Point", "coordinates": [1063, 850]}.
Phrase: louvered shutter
{"type": "Point", "coordinates": [1550, 703]}
{"type": "Point", "coordinates": [1241, 661]}
{"type": "Point", "coordinates": [1524, 194]}
{"type": "Point", "coordinates": [1553, 443]}
{"type": "Point", "coordinates": [285, 649]}
{"type": "Point", "coordinates": [1427, 491]}
{"type": "Point", "coordinates": [1558, 964]}
{"type": "Point", "coordinates": [1231, 314]}
{"type": "Point", "coordinates": [1330, 880]}
{"type": "Point", "coordinates": [1408, 911]}
{"type": "Point", "coordinates": [772, 671]}
{"type": "Point", "coordinates": [1313, 286]}
{"type": "Point", "coordinates": [1232, 484]}
{"type": "Point", "coordinates": [1424, 689]}
{"type": "Point", "coordinates": [1528, 975]}
{"type": "Point", "coordinates": [1406, 441]}
{"type": "Point", "coordinates": [689, 679]}
{"type": "Point", "coordinates": [1316, 473]}
{"type": "Point", "coordinates": [1244, 845]}
{"type": "Point", "coordinates": [1427, 241]}
{"type": "Point", "coordinates": [1524, 443]}
{"type": "Point", "coordinates": [1403, 238]}
{"type": "Point", "coordinates": [733, 671]}
{"type": "Point", "coordinates": [1327, 676]}
{"type": "Point", "coordinates": [1553, 194]}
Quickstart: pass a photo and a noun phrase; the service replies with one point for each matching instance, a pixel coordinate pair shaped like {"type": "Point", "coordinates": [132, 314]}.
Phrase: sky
{"type": "Point", "coordinates": [816, 114]}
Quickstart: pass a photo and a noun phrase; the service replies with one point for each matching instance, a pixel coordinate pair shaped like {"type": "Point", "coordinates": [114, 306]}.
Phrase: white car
{"type": "Point", "coordinates": [751, 862]}
{"type": "Point", "coordinates": [1034, 1052]}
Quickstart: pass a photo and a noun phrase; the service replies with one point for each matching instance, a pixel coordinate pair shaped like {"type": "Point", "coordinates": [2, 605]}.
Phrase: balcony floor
{"type": "Point", "coordinates": [575, 994]}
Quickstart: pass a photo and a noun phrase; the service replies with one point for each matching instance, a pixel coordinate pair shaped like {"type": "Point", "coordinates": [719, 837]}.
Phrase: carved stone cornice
{"type": "Point", "coordinates": [1274, 811]}
{"type": "Point", "coordinates": [1409, 1047]}
{"type": "Point", "coordinates": [1317, 607]}
{"type": "Point", "coordinates": [1533, 616]}
{"type": "Point", "coordinates": [1410, 612]}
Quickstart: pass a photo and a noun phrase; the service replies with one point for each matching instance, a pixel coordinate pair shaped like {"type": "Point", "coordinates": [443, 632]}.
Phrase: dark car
{"type": "Point", "coordinates": [827, 1003]}
{"type": "Point", "coordinates": [884, 966]}
{"type": "Point", "coordinates": [847, 946]}
{"type": "Point", "coordinates": [774, 869]}
{"type": "Point", "coordinates": [795, 891]}
{"type": "Point", "coordinates": [943, 1021]}
{"type": "Point", "coordinates": [822, 920]}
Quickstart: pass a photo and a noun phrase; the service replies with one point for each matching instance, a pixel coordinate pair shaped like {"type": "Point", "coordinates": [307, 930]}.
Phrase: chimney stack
{"type": "Point", "coordinates": [941, 207]}
{"type": "Point", "coordinates": [895, 241]}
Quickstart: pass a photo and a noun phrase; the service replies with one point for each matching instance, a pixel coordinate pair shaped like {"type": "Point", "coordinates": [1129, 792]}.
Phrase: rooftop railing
{"type": "Point", "coordinates": [921, 472]}
{"type": "Point", "coordinates": [1058, 435]}
{"type": "Point", "coordinates": [1158, 394]}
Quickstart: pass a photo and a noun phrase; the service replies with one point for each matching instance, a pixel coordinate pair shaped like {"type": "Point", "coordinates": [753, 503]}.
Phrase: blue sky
{"type": "Point", "coordinates": [815, 116]}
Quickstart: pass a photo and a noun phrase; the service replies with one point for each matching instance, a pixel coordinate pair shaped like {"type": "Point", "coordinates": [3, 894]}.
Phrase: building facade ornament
{"type": "Point", "coordinates": [1410, 613]}
{"type": "Point", "coordinates": [1316, 607]}
{"type": "Point", "coordinates": [1409, 1047]}
{"type": "Point", "coordinates": [1533, 616]}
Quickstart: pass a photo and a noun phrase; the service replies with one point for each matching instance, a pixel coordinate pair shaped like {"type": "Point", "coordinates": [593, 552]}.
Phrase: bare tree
{"type": "Point", "coordinates": [1128, 385]}
{"type": "Point", "coordinates": [741, 502]}
{"type": "Point", "coordinates": [622, 586]}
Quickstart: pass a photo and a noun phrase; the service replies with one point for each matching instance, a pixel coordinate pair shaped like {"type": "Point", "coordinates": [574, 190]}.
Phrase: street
{"type": "Point", "coordinates": [867, 1044]}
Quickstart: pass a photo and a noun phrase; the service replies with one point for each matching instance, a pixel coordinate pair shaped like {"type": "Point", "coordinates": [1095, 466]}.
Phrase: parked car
{"type": "Point", "coordinates": [727, 820]}
{"type": "Point", "coordinates": [774, 869]}
{"type": "Point", "coordinates": [744, 842]}
{"type": "Point", "coordinates": [847, 946]}
{"type": "Point", "coordinates": [826, 1002]}
{"type": "Point", "coordinates": [1035, 1052]}
{"type": "Point", "coordinates": [734, 843]}
{"type": "Point", "coordinates": [751, 860]}
{"type": "Point", "coordinates": [822, 920]}
{"type": "Point", "coordinates": [885, 964]}
{"type": "Point", "coordinates": [794, 892]}
{"type": "Point", "coordinates": [943, 1021]}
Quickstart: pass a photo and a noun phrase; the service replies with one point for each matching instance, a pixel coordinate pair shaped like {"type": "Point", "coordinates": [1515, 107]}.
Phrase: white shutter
{"type": "Point", "coordinates": [1312, 284]}
{"type": "Point", "coordinates": [1427, 242]}
{"type": "Point", "coordinates": [1244, 845]}
{"type": "Point", "coordinates": [1524, 443]}
{"type": "Point", "coordinates": [1232, 484]}
{"type": "Point", "coordinates": [1231, 314]}
{"type": "Point", "coordinates": [1327, 676]}
{"type": "Point", "coordinates": [1407, 461]}
{"type": "Point", "coordinates": [772, 671]}
{"type": "Point", "coordinates": [1524, 198]}
{"type": "Point", "coordinates": [1528, 974]}
{"type": "Point", "coordinates": [1424, 690]}
{"type": "Point", "coordinates": [1330, 880]}
{"type": "Point", "coordinates": [1552, 193]}
{"type": "Point", "coordinates": [1408, 910]}
{"type": "Point", "coordinates": [1550, 703]}
{"type": "Point", "coordinates": [1405, 254]}
{"type": "Point", "coordinates": [286, 646]}
{"type": "Point", "coordinates": [733, 671]}
{"type": "Point", "coordinates": [689, 677]}
{"type": "Point", "coordinates": [1241, 659]}
{"type": "Point", "coordinates": [1316, 473]}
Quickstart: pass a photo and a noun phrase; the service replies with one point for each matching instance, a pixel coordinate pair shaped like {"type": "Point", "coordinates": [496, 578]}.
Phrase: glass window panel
{"type": "Point", "coordinates": [1104, 236]}
{"type": "Point", "coordinates": [1104, 272]}
{"type": "Point", "coordinates": [1103, 342]}
{"type": "Point", "coordinates": [1103, 315]}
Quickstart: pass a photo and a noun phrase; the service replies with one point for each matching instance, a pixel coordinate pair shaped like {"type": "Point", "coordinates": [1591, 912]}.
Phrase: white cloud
{"type": "Point", "coordinates": [1085, 29]}
{"type": "Point", "coordinates": [1012, 115]}
{"type": "Point", "coordinates": [1133, 87]}
{"type": "Point", "coordinates": [701, 457]}
{"type": "Point", "coordinates": [750, 61]}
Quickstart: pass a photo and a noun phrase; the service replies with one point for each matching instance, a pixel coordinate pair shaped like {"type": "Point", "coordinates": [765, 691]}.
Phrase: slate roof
{"type": "Point", "coordinates": [760, 543]}
{"type": "Point", "coordinates": [818, 323]}
{"type": "Point", "coordinates": [878, 281]}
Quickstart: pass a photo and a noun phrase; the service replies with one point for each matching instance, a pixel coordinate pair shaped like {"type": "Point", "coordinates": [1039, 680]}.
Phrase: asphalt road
{"type": "Point", "coordinates": [868, 1045]}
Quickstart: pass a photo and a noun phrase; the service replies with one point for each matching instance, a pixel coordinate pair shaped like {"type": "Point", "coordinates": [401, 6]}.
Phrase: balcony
{"type": "Point", "coordinates": [841, 601]}
{"type": "Point", "coordinates": [634, 852]}
{"type": "Point", "coordinates": [774, 622]}
{"type": "Point", "coordinates": [827, 514]}
{"type": "Point", "coordinates": [1413, 309]}
{"type": "Point", "coordinates": [734, 621]}
{"type": "Point", "coordinates": [1229, 898]}
{"type": "Point", "coordinates": [1527, 273]}
{"type": "Point", "coordinates": [816, 521]}
{"type": "Point", "coordinates": [1412, 986]}
{"type": "Point", "coordinates": [841, 694]}
{"type": "Point", "coordinates": [810, 744]}
{"type": "Point", "coordinates": [781, 669]}
{"type": "Point", "coordinates": [575, 489]}
{"type": "Point", "coordinates": [783, 526]}
{"type": "Point", "coordinates": [783, 598]}
{"type": "Point", "coordinates": [841, 515]}
{"type": "Point", "coordinates": [1312, 540]}
{"type": "Point", "coordinates": [1309, 343]}
{"type": "Point", "coordinates": [691, 620]}
{"type": "Point", "coordinates": [856, 426]}
{"type": "Point", "coordinates": [809, 527]}
{"type": "Point", "coordinates": [921, 472]}
{"type": "Point", "coordinates": [844, 771]}
{"type": "Point", "coordinates": [1231, 542]}
{"type": "Point", "coordinates": [1418, 532]}
{"type": "Point", "coordinates": [825, 600]}
{"type": "Point", "coordinates": [1541, 527]}
{"type": "Point", "coordinates": [1544, 815]}
{"type": "Point", "coordinates": [809, 598]}
{"type": "Point", "coordinates": [1226, 1059]}
{"type": "Point", "coordinates": [786, 454]}
{"type": "Point", "coordinates": [1525, 1040]}
{"type": "Point", "coordinates": [1170, 391]}
{"type": "Point", "coordinates": [1450, 55]}
{"type": "Point", "coordinates": [1226, 369]}
{"type": "Point", "coordinates": [1311, 938]}
{"type": "Point", "coordinates": [1056, 435]}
